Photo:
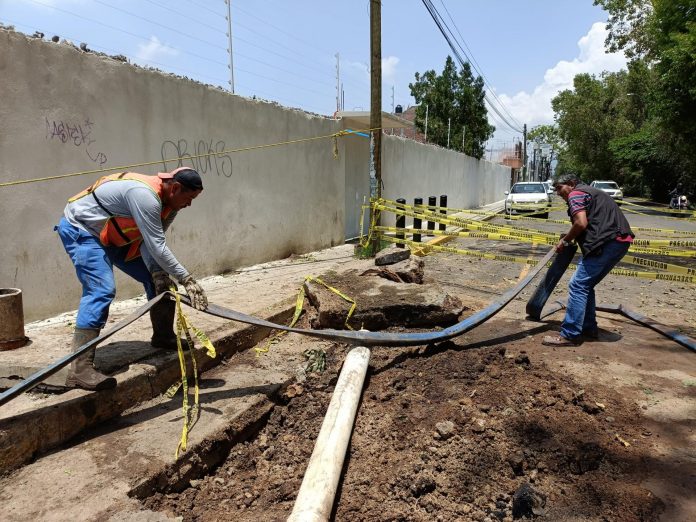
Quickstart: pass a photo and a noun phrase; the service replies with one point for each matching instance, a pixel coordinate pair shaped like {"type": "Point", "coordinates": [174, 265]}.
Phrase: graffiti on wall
{"type": "Point", "coordinates": [207, 157]}
{"type": "Point", "coordinates": [76, 134]}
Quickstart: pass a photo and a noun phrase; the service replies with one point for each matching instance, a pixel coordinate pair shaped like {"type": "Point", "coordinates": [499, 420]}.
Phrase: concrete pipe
{"type": "Point", "coordinates": [316, 497]}
{"type": "Point", "coordinates": [11, 319]}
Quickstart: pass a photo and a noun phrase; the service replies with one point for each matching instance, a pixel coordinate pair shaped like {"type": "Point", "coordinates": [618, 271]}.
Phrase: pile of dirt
{"type": "Point", "coordinates": [459, 435]}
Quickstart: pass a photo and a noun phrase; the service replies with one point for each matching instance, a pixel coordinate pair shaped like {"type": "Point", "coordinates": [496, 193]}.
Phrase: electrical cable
{"type": "Point", "coordinates": [474, 64]}
{"type": "Point", "coordinates": [449, 37]}
{"type": "Point", "coordinates": [187, 17]}
{"type": "Point", "coordinates": [138, 36]}
{"type": "Point", "coordinates": [173, 29]}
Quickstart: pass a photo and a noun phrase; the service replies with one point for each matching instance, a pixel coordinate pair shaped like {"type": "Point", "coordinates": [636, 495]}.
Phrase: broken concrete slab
{"type": "Point", "coordinates": [391, 255]}
{"type": "Point", "coordinates": [407, 271]}
{"type": "Point", "coordinates": [410, 270]}
{"type": "Point", "coordinates": [381, 303]}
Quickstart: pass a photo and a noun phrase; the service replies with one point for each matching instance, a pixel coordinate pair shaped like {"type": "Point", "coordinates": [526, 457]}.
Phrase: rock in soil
{"type": "Point", "coordinates": [391, 255]}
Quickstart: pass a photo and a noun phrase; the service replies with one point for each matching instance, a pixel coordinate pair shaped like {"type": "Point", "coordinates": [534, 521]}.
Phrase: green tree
{"type": "Point", "coordinates": [457, 97]}
{"type": "Point", "coordinates": [663, 34]}
{"type": "Point", "coordinates": [588, 118]}
{"type": "Point", "coordinates": [546, 134]}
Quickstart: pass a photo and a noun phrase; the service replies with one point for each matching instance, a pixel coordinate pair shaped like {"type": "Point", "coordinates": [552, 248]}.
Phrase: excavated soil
{"type": "Point", "coordinates": [455, 435]}
{"type": "Point", "coordinates": [492, 426]}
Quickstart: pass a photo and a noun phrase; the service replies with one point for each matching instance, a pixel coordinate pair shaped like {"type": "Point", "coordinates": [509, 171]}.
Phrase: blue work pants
{"type": "Point", "coordinates": [94, 267]}
{"type": "Point", "coordinates": [580, 313]}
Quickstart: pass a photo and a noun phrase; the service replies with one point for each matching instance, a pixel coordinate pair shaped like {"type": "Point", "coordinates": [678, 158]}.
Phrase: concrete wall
{"type": "Point", "coordinates": [411, 169]}
{"type": "Point", "coordinates": [64, 111]}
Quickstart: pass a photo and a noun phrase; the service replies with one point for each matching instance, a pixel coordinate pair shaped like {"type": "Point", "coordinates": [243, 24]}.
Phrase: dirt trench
{"type": "Point", "coordinates": [456, 434]}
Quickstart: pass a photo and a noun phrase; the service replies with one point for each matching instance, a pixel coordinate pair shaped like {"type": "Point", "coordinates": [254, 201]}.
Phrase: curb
{"type": "Point", "coordinates": [25, 436]}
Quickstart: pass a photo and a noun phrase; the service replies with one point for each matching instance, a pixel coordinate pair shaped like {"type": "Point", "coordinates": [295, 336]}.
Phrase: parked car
{"type": "Point", "coordinates": [549, 187]}
{"type": "Point", "coordinates": [526, 197]}
{"type": "Point", "coordinates": [610, 187]}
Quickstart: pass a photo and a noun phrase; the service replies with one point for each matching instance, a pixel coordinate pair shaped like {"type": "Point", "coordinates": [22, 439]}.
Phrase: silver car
{"type": "Point", "coordinates": [610, 187]}
{"type": "Point", "coordinates": [528, 197]}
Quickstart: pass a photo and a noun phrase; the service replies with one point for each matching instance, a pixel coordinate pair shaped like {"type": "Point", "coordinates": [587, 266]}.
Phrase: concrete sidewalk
{"type": "Point", "coordinates": [36, 422]}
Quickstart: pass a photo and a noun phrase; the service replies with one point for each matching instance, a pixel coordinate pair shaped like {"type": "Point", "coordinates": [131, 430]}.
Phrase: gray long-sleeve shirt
{"type": "Point", "coordinates": [129, 198]}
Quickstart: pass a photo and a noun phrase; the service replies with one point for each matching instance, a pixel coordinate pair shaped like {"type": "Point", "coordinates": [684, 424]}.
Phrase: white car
{"type": "Point", "coordinates": [610, 187]}
{"type": "Point", "coordinates": [528, 196]}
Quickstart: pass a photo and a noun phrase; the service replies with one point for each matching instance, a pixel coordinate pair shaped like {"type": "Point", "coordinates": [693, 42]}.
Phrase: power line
{"type": "Point", "coordinates": [311, 45]}
{"type": "Point", "coordinates": [138, 36]}
{"type": "Point", "coordinates": [488, 100]}
{"type": "Point", "coordinates": [202, 6]}
{"type": "Point", "coordinates": [187, 17]}
{"type": "Point", "coordinates": [478, 69]}
{"type": "Point", "coordinates": [194, 75]}
{"type": "Point", "coordinates": [109, 51]}
{"type": "Point", "coordinates": [173, 29]}
{"type": "Point", "coordinates": [449, 37]}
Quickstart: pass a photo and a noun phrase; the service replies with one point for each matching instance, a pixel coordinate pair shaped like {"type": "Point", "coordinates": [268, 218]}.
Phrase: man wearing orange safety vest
{"type": "Point", "coordinates": [120, 220]}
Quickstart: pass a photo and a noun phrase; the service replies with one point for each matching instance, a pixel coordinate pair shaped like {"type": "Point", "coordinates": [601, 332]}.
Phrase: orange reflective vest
{"type": "Point", "coordinates": [118, 230]}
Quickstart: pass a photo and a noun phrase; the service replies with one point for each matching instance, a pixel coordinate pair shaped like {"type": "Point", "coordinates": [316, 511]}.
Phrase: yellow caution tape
{"type": "Point", "coordinates": [190, 414]}
{"type": "Point", "coordinates": [451, 210]}
{"type": "Point", "coordinates": [340, 294]}
{"type": "Point", "coordinates": [474, 235]}
{"type": "Point", "coordinates": [126, 168]}
{"type": "Point", "coordinates": [520, 232]}
{"type": "Point", "coordinates": [452, 250]}
{"type": "Point", "coordinates": [673, 269]}
{"type": "Point", "coordinates": [454, 210]}
{"type": "Point", "coordinates": [468, 223]}
{"type": "Point", "coordinates": [299, 303]}
{"type": "Point", "coordinates": [661, 252]}
{"type": "Point", "coordinates": [665, 242]}
{"type": "Point", "coordinates": [666, 210]}
{"type": "Point", "coordinates": [533, 240]}
{"type": "Point", "coordinates": [516, 259]}
{"type": "Point", "coordinates": [665, 231]}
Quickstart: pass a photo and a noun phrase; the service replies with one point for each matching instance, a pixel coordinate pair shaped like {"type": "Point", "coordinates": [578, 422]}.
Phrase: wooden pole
{"type": "Point", "coordinates": [376, 106]}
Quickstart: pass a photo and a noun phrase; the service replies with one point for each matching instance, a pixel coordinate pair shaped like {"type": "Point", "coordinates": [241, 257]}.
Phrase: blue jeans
{"type": "Point", "coordinates": [580, 312]}
{"type": "Point", "coordinates": [94, 266]}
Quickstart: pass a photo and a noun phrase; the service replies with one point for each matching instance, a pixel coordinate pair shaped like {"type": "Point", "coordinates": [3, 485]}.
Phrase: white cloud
{"type": "Point", "coordinates": [535, 108]}
{"type": "Point", "coordinates": [154, 49]}
{"type": "Point", "coordinates": [389, 70]}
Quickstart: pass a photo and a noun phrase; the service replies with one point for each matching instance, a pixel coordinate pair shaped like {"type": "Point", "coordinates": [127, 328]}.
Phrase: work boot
{"type": "Point", "coordinates": [82, 373]}
{"type": "Point", "coordinates": [162, 317]}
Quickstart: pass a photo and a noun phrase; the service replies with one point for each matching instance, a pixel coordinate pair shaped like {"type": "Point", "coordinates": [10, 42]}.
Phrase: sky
{"type": "Point", "coordinates": [285, 50]}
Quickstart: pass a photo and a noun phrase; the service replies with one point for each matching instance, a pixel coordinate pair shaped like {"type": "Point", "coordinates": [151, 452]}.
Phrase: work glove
{"type": "Point", "coordinates": [162, 281]}
{"type": "Point", "coordinates": [196, 294]}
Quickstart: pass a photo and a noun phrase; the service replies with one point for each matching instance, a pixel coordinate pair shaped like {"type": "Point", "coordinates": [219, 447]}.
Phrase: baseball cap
{"type": "Point", "coordinates": [188, 177]}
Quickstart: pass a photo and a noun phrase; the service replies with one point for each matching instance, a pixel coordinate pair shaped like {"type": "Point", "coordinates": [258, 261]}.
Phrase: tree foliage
{"type": "Point", "coordinates": [661, 34]}
{"type": "Point", "coordinates": [637, 126]}
{"type": "Point", "coordinates": [547, 134]}
{"type": "Point", "coordinates": [455, 97]}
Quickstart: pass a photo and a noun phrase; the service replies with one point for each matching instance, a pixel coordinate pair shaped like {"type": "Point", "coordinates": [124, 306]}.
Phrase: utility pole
{"type": "Point", "coordinates": [449, 121]}
{"type": "Point", "coordinates": [392, 99]}
{"type": "Point", "coordinates": [338, 82]}
{"type": "Point", "coordinates": [463, 136]}
{"type": "Point", "coordinates": [524, 154]}
{"type": "Point", "coordinates": [229, 39]}
{"type": "Point", "coordinates": [426, 124]}
{"type": "Point", "coordinates": [376, 107]}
